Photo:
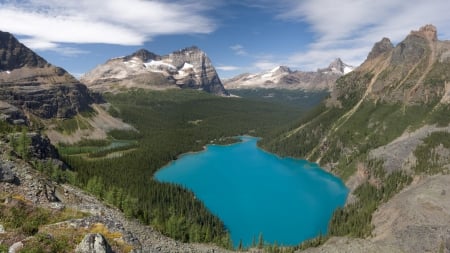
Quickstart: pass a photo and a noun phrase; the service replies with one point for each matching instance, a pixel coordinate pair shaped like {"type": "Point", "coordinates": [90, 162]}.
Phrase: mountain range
{"type": "Point", "coordinates": [384, 129]}
{"type": "Point", "coordinates": [283, 77]}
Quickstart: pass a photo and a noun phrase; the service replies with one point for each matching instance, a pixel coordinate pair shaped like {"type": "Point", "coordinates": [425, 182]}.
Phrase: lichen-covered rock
{"type": "Point", "coordinates": [93, 243]}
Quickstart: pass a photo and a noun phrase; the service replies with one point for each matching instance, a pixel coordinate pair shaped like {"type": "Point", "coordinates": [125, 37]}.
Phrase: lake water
{"type": "Point", "coordinates": [252, 191]}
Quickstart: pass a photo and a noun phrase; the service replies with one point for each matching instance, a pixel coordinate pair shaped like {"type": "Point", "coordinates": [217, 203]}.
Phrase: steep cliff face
{"type": "Point", "coordinates": [33, 86]}
{"type": "Point", "coordinates": [284, 78]}
{"type": "Point", "coordinates": [187, 68]}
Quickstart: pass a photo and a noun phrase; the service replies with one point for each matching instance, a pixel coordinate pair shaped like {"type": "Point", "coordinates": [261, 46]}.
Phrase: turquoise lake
{"type": "Point", "coordinates": [253, 191]}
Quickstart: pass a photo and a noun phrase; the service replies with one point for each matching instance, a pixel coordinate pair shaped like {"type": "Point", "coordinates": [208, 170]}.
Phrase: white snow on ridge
{"type": "Point", "coordinates": [155, 64]}
{"type": "Point", "coordinates": [275, 69]}
{"type": "Point", "coordinates": [187, 66]}
{"type": "Point", "coordinates": [348, 69]}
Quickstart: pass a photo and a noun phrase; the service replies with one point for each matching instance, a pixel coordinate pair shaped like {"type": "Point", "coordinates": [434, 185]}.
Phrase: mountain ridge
{"type": "Point", "coordinates": [385, 126]}
{"type": "Point", "coordinates": [282, 77]}
{"type": "Point", "coordinates": [33, 86]}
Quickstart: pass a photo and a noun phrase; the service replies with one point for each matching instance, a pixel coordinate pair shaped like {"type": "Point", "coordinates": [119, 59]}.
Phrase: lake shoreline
{"type": "Point", "coordinates": [235, 180]}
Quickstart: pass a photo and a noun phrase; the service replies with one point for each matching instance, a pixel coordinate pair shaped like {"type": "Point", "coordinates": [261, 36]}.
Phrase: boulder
{"type": "Point", "coordinates": [6, 173]}
{"type": "Point", "coordinates": [93, 243]}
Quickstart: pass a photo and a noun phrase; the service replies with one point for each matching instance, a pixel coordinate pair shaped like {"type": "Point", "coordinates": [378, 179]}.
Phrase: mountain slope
{"type": "Point", "coordinates": [385, 123]}
{"type": "Point", "coordinates": [186, 68]}
{"type": "Point", "coordinates": [282, 77]}
{"type": "Point", "coordinates": [32, 86]}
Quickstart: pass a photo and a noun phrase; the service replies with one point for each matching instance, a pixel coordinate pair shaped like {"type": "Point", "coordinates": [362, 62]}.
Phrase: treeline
{"type": "Point", "coordinates": [355, 219]}
{"type": "Point", "coordinates": [171, 123]}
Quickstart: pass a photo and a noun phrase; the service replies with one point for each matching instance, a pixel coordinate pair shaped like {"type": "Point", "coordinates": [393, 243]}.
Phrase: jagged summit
{"type": "Point", "coordinates": [144, 55]}
{"type": "Point", "coordinates": [428, 31]}
{"type": "Point", "coordinates": [381, 47]}
{"type": "Point", "coordinates": [339, 67]}
{"type": "Point", "coordinates": [14, 55]}
{"type": "Point", "coordinates": [281, 70]}
{"type": "Point", "coordinates": [186, 68]}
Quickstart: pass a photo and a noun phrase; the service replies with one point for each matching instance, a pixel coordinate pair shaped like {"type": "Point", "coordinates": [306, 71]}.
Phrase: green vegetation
{"type": "Point", "coordinates": [164, 120]}
{"type": "Point", "coordinates": [20, 216]}
{"type": "Point", "coordinates": [355, 219]}
{"type": "Point", "coordinates": [69, 126]}
{"type": "Point", "coordinates": [429, 159]}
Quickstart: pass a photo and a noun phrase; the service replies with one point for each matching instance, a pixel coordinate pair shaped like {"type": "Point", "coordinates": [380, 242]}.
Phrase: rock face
{"type": "Point", "coordinates": [30, 85]}
{"type": "Point", "coordinates": [381, 47]}
{"type": "Point", "coordinates": [187, 68]}
{"type": "Point", "coordinates": [284, 78]}
{"type": "Point", "coordinates": [93, 243]}
{"type": "Point", "coordinates": [411, 72]}
{"type": "Point", "coordinates": [416, 220]}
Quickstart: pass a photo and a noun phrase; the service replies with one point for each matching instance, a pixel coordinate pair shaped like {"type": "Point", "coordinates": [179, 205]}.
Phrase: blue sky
{"type": "Point", "coordinates": [238, 35]}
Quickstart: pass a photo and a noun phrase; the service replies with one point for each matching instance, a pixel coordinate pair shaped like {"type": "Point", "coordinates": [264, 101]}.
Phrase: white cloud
{"type": "Point", "coordinates": [227, 68]}
{"type": "Point", "coordinates": [262, 65]}
{"type": "Point", "coordinates": [46, 24]}
{"type": "Point", "coordinates": [349, 28]}
{"type": "Point", "coordinates": [238, 49]}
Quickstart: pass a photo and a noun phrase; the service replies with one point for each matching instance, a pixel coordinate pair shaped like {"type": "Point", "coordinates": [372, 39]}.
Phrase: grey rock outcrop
{"type": "Point", "coordinates": [187, 68]}
{"type": "Point", "coordinates": [6, 173]}
{"type": "Point", "coordinates": [32, 85]}
{"type": "Point", "coordinates": [16, 247]}
{"type": "Point", "coordinates": [93, 243]}
{"type": "Point", "coordinates": [41, 147]}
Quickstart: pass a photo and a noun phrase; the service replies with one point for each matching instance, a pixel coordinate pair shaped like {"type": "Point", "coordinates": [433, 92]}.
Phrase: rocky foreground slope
{"type": "Point", "coordinates": [186, 68]}
{"type": "Point", "coordinates": [282, 77]}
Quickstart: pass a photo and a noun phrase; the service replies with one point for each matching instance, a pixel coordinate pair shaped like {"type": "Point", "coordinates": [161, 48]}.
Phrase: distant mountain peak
{"type": "Point", "coordinates": [281, 70]}
{"type": "Point", "coordinates": [282, 77]}
{"type": "Point", "coordinates": [185, 68]}
{"type": "Point", "coordinates": [337, 66]}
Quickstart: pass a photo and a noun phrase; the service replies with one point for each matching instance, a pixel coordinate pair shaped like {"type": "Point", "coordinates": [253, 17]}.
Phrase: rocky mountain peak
{"type": "Point", "coordinates": [30, 85]}
{"type": "Point", "coordinates": [337, 65]}
{"type": "Point", "coordinates": [384, 45]}
{"type": "Point", "coordinates": [144, 55]}
{"type": "Point", "coordinates": [186, 68]}
{"type": "Point", "coordinates": [281, 70]}
{"type": "Point", "coordinates": [14, 55]}
{"type": "Point", "coordinates": [428, 31]}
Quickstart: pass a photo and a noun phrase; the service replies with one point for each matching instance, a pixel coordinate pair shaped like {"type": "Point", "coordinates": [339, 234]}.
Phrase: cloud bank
{"type": "Point", "coordinates": [349, 28]}
{"type": "Point", "coordinates": [47, 23]}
